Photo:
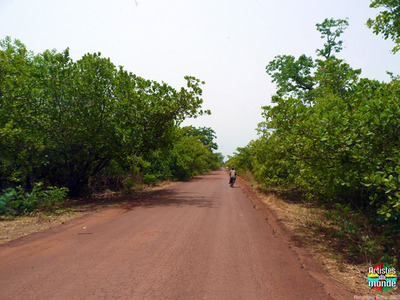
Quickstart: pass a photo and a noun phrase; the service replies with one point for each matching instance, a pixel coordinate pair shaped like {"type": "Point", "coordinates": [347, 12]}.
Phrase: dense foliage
{"type": "Point", "coordinates": [17, 201]}
{"type": "Point", "coordinates": [330, 134]}
{"type": "Point", "coordinates": [65, 122]}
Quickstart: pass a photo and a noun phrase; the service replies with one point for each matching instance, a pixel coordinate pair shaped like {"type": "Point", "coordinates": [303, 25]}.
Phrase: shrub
{"type": "Point", "coordinates": [150, 179]}
{"type": "Point", "coordinates": [15, 201]}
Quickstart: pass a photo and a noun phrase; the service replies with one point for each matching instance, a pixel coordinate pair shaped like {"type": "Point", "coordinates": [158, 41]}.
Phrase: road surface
{"type": "Point", "coordinates": [195, 240]}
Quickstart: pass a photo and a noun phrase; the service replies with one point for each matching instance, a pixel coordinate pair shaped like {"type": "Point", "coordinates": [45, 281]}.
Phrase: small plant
{"type": "Point", "coordinates": [4, 204]}
{"type": "Point", "coordinates": [52, 196]}
{"type": "Point", "coordinates": [345, 218]}
{"type": "Point", "coordinates": [129, 185]}
{"type": "Point", "coordinates": [369, 248]}
{"type": "Point", "coordinates": [15, 201]}
{"type": "Point", "coordinates": [150, 179]}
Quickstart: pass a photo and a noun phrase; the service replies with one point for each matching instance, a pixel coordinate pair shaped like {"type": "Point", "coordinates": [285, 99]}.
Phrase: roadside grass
{"type": "Point", "coordinates": [337, 249]}
{"type": "Point", "coordinates": [12, 228]}
{"type": "Point", "coordinates": [312, 231]}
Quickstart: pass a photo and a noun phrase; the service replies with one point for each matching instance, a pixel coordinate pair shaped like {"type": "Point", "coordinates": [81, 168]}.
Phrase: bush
{"type": "Point", "coordinates": [4, 205]}
{"type": "Point", "coordinates": [150, 179]}
{"type": "Point", "coordinates": [15, 201]}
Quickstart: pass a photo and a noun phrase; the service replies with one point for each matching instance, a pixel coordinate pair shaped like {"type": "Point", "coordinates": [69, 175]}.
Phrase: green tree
{"type": "Point", "coordinates": [188, 156]}
{"type": "Point", "coordinates": [206, 135]}
{"type": "Point", "coordinates": [20, 114]}
{"type": "Point", "coordinates": [331, 30]}
{"type": "Point", "coordinates": [336, 140]}
{"type": "Point", "coordinates": [63, 121]}
{"type": "Point", "coordinates": [292, 77]}
{"type": "Point", "coordinates": [387, 22]}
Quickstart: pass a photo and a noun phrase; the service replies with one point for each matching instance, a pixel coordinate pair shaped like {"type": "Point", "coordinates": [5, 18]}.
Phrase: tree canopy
{"type": "Point", "coordinates": [63, 121]}
{"type": "Point", "coordinates": [387, 22]}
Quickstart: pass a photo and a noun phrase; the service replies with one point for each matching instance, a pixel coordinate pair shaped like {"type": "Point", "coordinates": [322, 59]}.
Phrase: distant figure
{"type": "Point", "coordinates": [232, 175]}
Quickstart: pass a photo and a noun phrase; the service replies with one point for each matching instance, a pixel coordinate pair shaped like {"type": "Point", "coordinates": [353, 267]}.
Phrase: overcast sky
{"type": "Point", "coordinates": [226, 43]}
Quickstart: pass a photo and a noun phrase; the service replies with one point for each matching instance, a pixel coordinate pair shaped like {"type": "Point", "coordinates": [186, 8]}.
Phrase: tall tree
{"type": "Point", "coordinates": [331, 29]}
{"type": "Point", "coordinates": [295, 78]}
{"type": "Point", "coordinates": [205, 135]}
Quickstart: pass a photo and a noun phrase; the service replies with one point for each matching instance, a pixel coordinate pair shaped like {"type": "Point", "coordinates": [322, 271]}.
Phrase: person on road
{"type": "Point", "coordinates": [232, 175]}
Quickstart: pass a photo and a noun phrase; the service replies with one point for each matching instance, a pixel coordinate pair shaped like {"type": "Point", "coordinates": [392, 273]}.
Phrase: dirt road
{"type": "Point", "coordinates": [195, 240]}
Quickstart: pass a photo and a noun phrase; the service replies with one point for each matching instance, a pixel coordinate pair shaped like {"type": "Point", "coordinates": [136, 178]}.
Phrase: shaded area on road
{"type": "Point", "coordinates": [171, 198]}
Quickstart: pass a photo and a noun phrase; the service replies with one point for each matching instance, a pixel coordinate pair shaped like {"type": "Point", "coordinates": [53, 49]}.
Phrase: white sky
{"type": "Point", "coordinates": [226, 43]}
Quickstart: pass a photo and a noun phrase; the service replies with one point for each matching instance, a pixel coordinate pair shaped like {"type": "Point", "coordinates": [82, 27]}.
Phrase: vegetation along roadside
{"type": "Point", "coordinates": [329, 146]}
{"type": "Point", "coordinates": [80, 127]}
